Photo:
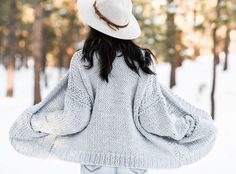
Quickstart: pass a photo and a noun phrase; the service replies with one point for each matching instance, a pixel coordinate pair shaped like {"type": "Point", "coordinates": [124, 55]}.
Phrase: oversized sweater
{"type": "Point", "coordinates": [133, 121]}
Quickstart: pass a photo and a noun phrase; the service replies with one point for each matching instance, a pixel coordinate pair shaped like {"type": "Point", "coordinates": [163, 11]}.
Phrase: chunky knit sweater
{"type": "Point", "coordinates": [133, 121]}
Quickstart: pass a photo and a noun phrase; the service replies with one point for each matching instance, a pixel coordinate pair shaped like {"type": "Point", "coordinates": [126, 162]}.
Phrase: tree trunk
{"type": "Point", "coordinates": [173, 74]}
{"type": "Point", "coordinates": [44, 62]}
{"type": "Point", "coordinates": [170, 44]}
{"type": "Point", "coordinates": [1, 45]}
{"type": "Point", "coordinates": [214, 74]}
{"type": "Point", "coordinates": [196, 47]}
{"type": "Point", "coordinates": [60, 55]}
{"type": "Point", "coordinates": [12, 48]}
{"type": "Point", "coordinates": [37, 49]}
{"type": "Point", "coordinates": [226, 48]}
{"type": "Point", "coordinates": [216, 52]}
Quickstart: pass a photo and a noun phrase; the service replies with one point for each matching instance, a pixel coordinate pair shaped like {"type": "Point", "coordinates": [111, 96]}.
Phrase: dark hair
{"type": "Point", "coordinates": [107, 48]}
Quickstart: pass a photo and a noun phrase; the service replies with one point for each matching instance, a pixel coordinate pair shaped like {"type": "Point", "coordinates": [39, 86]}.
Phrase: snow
{"type": "Point", "coordinates": [193, 84]}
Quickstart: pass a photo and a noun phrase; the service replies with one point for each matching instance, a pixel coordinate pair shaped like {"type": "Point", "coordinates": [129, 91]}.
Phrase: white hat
{"type": "Point", "coordinates": [112, 17]}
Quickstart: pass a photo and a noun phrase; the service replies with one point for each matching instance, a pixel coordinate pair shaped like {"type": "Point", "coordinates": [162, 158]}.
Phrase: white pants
{"type": "Point", "coordinates": [99, 169]}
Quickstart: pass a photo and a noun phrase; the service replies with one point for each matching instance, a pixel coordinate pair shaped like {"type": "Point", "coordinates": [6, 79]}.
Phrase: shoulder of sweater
{"type": "Point", "coordinates": [75, 57]}
{"type": "Point", "coordinates": [79, 84]}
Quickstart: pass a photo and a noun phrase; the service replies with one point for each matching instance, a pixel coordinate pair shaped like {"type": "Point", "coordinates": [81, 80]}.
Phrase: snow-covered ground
{"type": "Point", "coordinates": [193, 84]}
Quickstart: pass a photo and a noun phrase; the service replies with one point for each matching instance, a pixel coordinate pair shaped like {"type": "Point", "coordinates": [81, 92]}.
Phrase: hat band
{"type": "Point", "coordinates": [109, 23]}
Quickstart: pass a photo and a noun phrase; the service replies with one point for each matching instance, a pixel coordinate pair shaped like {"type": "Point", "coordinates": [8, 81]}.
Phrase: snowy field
{"type": "Point", "coordinates": [193, 84]}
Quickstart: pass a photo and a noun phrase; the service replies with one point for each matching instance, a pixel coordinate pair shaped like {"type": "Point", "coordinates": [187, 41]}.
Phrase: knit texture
{"type": "Point", "coordinates": [132, 121]}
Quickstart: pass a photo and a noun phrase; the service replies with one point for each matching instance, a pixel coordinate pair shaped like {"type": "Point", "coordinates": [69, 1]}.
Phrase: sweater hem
{"type": "Point", "coordinates": [34, 149]}
{"type": "Point", "coordinates": [113, 159]}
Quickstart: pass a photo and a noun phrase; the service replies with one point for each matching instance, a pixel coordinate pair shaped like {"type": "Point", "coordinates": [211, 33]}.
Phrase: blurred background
{"type": "Point", "coordinates": [194, 42]}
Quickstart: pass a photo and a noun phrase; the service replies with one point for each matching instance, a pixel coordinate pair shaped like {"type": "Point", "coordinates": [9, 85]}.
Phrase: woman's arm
{"type": "Point", "coordinates": [22, 128]}
{"type": "Point", "coordinates": [166, 114]}
{"type": "Point", "coordinates": [75, 107]}
{"type": "Point", "coordinates": [61, 122]}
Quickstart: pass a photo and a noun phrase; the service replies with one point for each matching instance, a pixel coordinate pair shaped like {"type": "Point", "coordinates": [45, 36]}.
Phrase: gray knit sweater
{"type": "Point", "coordinates": [132, 121]}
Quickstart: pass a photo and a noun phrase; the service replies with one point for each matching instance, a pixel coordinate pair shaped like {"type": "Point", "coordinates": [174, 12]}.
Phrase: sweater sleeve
{"type": "Point", "coordinates": [164, 113]}
{"type": "Point", "coordinates": [22, 128]}
{"type": "Point", "coordinates": [24, 138]}
{"type": "Point", "coordinates": [75, 107]}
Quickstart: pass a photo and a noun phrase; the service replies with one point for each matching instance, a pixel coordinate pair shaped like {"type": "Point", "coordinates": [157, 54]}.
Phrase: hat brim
{"type": "Point", "coordinates": [89, 17]}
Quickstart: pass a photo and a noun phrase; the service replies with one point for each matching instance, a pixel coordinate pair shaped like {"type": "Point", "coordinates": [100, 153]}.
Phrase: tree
{"type": "Point", "coordinates": [37, 48]}
{"type": "Point", "coordinates": [12, 48]}
{"type": "Point", "coordinates": [229, 22]}
{"type": "Point", "coordinates": [173, 40]}
{"type": "Point", "coordinates": [4, 13]}
{"type": "Point", "coordinates": [170, 42]}
{"type": "Point", "coordinates": [226, 46]}
{"type": "Point", "coordinates": [216, 52]}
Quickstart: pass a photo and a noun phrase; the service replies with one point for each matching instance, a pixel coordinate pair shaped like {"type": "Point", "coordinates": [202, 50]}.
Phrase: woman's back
{"type": "Point", "coordinates": [120, 74]}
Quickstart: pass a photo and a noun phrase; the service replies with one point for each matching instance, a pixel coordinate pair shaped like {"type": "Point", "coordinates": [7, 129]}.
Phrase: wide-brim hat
{"type": "Point", "coordinates": [90, 16]}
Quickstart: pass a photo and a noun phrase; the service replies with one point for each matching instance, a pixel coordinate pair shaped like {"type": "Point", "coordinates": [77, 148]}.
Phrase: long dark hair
{"type": "Point", "coordinates": [107, 48]}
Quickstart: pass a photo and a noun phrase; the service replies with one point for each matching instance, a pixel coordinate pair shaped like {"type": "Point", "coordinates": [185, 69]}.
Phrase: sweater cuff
{"type": "Point", "coordinates": [22, 129]}
{"type": "Point", "coordinates": [192, 125]}
{"type": "Point", "coordinates": [36, 123]}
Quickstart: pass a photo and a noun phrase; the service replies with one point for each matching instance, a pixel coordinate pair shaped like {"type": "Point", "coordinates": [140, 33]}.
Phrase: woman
{"type": "Point", "coordinates": [109, 112]}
